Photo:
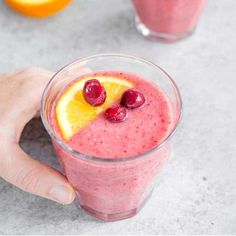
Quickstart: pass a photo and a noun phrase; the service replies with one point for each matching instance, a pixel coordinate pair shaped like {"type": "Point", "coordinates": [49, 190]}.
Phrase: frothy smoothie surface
{"type": "Point", "coordinates": [143, 129]}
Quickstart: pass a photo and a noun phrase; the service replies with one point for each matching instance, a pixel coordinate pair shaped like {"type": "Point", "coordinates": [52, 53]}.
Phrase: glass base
{"type": "Point", "coordinates": [159, 36]}
{"type": "Point", "coordinates": [112, 217]}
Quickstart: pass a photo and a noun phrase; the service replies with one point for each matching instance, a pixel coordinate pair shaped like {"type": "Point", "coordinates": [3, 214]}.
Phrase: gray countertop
{"type": "Point", "coordinates": [196, 192]}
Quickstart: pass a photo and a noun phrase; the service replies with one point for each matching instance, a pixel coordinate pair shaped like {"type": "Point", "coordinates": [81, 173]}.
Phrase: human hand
{"type": "Point", "coordinates": [20, 94]}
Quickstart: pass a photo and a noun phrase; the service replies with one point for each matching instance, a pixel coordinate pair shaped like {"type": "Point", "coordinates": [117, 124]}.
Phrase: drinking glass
{"type": "Point", "coordinates": [110, 189]}
{"type": "Point", "coordinates": [167, 20]}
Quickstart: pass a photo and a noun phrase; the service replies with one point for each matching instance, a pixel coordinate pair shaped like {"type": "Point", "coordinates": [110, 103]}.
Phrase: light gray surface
{"type": "Point", "coordinates": [197, 190]}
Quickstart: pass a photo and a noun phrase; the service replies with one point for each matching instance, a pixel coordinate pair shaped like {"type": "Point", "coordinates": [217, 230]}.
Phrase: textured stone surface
{"type": "Point", "coordinates": [196, 192]}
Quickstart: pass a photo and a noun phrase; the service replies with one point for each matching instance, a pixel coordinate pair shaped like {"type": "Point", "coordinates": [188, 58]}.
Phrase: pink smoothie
{"type": "Point", "coordinates": [144, 128]}
{"type": "Point", "coordinates": [119, 188]}
{"type": "Point", "coordinates": [174, 17]}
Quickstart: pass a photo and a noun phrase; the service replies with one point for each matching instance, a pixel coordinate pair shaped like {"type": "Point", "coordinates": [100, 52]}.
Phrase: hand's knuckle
{"type": "Point", "coordinates": [29, 180]}
{"type": "Point", "coordinates": [33, 71]}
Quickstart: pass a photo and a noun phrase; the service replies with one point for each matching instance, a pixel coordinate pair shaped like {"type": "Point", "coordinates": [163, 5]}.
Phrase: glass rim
{"type": "Point", "coordinates": [55, 137]}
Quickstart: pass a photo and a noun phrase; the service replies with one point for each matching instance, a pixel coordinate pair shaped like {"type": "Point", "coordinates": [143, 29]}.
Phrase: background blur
{"type": "Point", "coordinates": [196, 192]}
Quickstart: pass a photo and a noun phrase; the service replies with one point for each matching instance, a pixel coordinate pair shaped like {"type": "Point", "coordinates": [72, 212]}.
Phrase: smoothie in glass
{"type": "Point", "coordinates": [112, 163]}
{"type": "Point", "coordinates": [167, 20]}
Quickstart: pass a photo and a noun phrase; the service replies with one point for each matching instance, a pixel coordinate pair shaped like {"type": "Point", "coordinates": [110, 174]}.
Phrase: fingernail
{"type": "Point", "coordinates": [62, 194]}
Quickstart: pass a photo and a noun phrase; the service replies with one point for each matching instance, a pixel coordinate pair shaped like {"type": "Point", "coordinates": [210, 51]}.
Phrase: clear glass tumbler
{"type": "Point", "coordinates": [111, 189]}
{"type": "Point", "coordinates": [167, 20]}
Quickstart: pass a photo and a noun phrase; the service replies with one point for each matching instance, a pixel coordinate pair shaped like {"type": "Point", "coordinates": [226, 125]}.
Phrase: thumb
{"type": "Point", "coordinates": [34, 177]}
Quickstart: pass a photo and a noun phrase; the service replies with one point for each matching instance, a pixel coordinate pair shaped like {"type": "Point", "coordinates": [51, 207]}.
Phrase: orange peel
{"type": "Point", "coordinates": [37, 8]}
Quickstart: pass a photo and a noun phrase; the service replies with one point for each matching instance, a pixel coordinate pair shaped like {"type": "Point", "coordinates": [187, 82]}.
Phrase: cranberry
{"type": "Point", "coordinates": [116, 114]}
{"type": "Point", "coordinates": [94, 93]}
{"type": "Point", "coordinates": [132, 99]}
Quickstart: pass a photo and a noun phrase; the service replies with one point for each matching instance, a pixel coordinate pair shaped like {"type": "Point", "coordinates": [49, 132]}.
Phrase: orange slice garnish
{"type": "Point", "coordinates": [74, 113]}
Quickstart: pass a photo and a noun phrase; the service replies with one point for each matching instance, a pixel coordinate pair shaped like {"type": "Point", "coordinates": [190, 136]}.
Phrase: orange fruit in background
{"type": "Point", "coordinates": [37, 8]}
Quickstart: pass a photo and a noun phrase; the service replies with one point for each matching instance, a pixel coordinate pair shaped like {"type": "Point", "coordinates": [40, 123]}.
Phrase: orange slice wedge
{"type": "Point", "coordinates": [37, 8]}
{"type": "Point", "coordinates": [74, 113]}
